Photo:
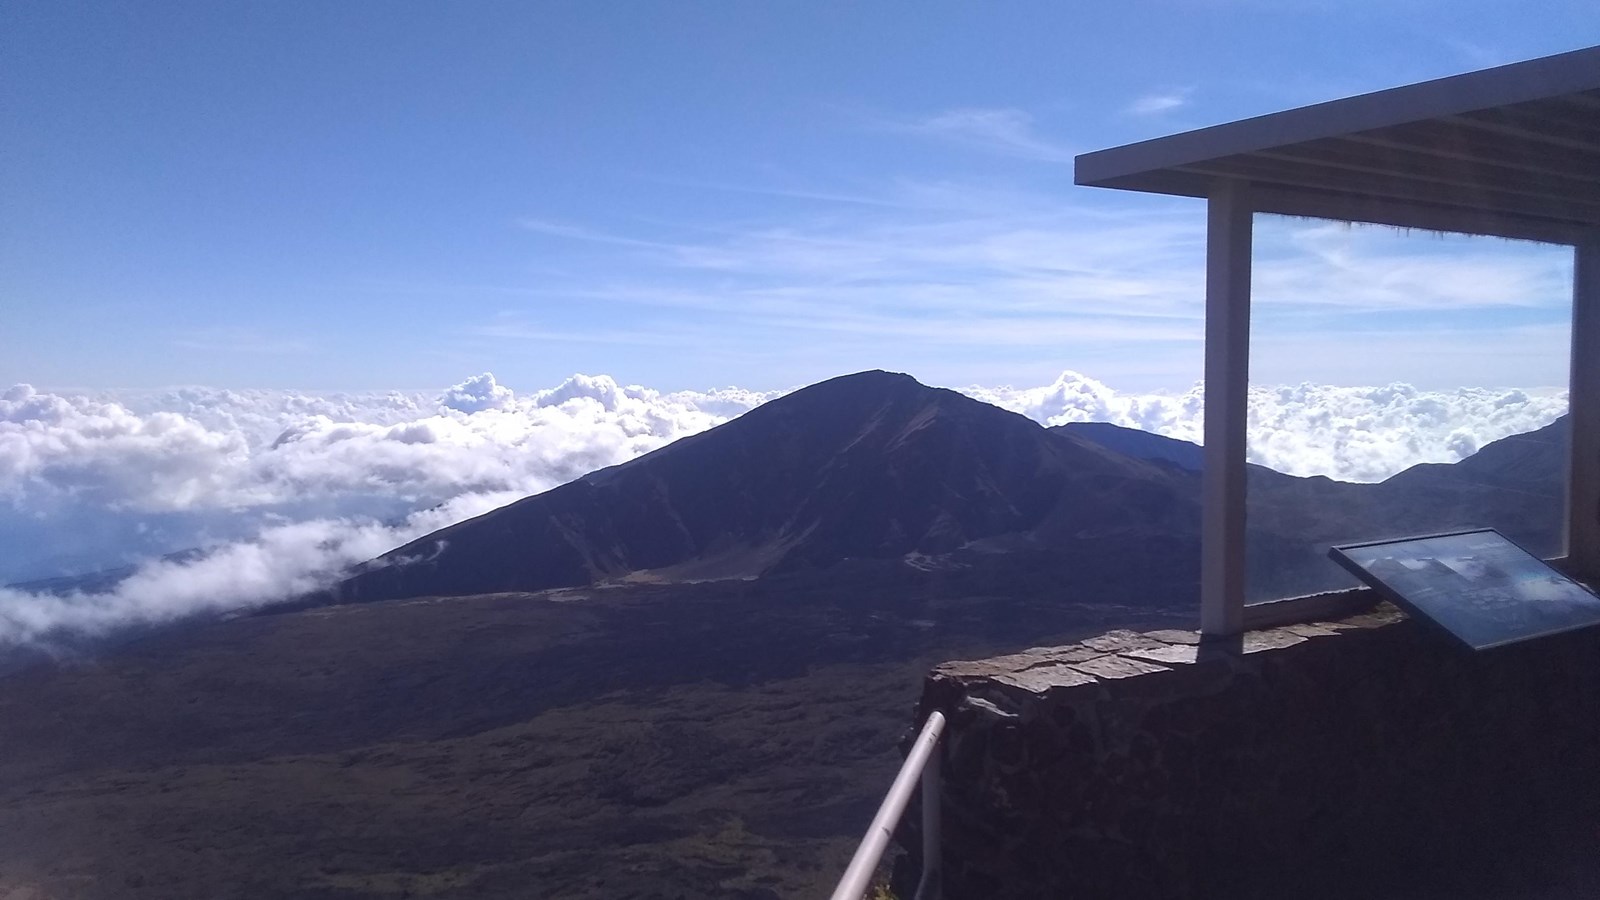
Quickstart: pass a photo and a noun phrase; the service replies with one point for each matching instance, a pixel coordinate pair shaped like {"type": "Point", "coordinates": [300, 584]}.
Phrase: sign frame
{"type": "Point", "coordinates": [1506, 578]}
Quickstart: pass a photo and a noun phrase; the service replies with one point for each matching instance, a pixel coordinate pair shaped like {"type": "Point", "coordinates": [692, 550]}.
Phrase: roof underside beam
{"type": "Point", "coordinates": [1550, 122]}
{"type": "Point", "coordinates": [1380, 211]}
{"type": "Point", "coordinates": [1411, 204]}
{"type": "Point", "coordinates": [1431, 140]}
{"type": "Point", "coordinates": [1462, 172]}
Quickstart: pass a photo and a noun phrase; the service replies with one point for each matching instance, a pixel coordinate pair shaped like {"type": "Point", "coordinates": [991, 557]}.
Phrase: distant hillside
{"type": "Point", "coordinates": [1135, 443]}
{"type": "Point", "coordinates": [1520, 463]}
{"type": "Point", "coordinates": [1513, 484]}
{"type": "Point", "coordinates": [96, 582]}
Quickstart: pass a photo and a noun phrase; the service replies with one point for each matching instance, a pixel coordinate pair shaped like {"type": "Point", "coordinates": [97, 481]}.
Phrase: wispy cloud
{"type": "Point", "coordinates": [1475, 54]}
{"type": "Point", "coordinates": [1159, 102]}
{"type": "Point", "coordinates": [240, 340]}
{"type": "Point", "coordinates": [1370, 269]}
{"type": "Point", "coordinates": [513, 327]}
{"type": "Point", "coordinates": [948, 277]}
{"type": "Point", "coordinates": [789, 193]}
{"type": "Point", "coordinates": [1006, 131]}
{"type": "Point", "coordinates": [579, 233]}
{"type": "Point", "coordinates": [972, 278]}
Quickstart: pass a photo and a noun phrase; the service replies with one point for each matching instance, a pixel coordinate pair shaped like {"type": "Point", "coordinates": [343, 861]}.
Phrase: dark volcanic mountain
{"type": "Point", "coordinates": [876, 466]}
{"type": "Point", "coordinates": [866, 466]}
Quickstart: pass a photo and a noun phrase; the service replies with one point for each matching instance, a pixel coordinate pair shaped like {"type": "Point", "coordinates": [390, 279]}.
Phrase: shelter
{"type": "Point", "coordinates": [1512, 151]}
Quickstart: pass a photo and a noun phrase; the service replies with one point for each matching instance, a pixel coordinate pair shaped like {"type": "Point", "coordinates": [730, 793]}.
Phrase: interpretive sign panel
{"type": "Point", "coordinates": [1477, 585]}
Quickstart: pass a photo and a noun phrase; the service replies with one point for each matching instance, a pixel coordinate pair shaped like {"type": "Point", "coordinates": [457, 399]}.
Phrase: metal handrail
{"type": "Point", "coordinates": [921, 761]}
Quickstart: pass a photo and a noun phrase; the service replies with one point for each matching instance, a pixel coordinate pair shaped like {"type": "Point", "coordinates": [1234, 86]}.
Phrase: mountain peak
{"type": "Point", "coordinates": [872, 465]}
{"type": "Point", "coordinates": [868, 378]}
{"type": "Point", "coordinates": [873, 384]}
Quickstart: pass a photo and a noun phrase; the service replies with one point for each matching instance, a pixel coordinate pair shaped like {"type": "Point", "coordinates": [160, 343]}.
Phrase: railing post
{"type": "Point", "coordinates": [924, 754]}
{"type": "Point", "coordinates": [928, 887]}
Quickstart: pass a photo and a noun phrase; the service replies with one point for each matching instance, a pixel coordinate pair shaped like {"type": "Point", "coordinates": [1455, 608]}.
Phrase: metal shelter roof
{"type": "Point", "coordinates": [1512, 151]}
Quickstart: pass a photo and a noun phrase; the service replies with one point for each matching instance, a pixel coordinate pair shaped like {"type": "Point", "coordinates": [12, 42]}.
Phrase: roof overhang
{"type": "Point", "coordinates": [1512, 151]}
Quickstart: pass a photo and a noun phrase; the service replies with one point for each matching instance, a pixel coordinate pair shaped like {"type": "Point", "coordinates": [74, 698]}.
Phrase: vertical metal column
{"type": "Point", "coordinates": [1227, 382]}
{"type": "Point", "coordinates": [1583, 448]}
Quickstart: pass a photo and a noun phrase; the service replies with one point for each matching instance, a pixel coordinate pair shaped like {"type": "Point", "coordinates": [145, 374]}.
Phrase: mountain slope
{"type": "Point", "coordinates": [872, 465]}
{"type": "Point", "coordinates": [1135, 443]}
{"type": "Point", "coordinates": [1513, 484]}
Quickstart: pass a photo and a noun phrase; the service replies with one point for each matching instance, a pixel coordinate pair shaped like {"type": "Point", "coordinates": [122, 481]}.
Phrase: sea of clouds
{"type": "Point", "coordinates": [286, 489]}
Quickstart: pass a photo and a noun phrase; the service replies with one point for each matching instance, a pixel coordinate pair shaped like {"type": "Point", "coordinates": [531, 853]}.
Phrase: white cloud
{"type": "Point", "coordinates": [288, 488]}
{"type": "Point", "coordinates": [98, 481]}
{"type": "Point", "coordinates": [477, 394]}
{"type": "Point", "coordinates": [107, 455]}
{"type": "Point", "coordinates": [1006, 131]}
{"type": "Point", "coordinates": [278, 561]}
{"type": "Point", "coordinates": [1346, 433]}
{"type": "Point", "coordinates": [1159, 102]}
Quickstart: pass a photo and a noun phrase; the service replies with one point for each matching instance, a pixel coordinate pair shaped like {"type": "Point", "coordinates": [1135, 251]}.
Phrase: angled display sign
{"type": "Point", "coordinates": [1477, 585]}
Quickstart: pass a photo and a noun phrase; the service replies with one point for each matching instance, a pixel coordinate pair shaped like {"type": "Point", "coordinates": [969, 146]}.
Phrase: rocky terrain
{"type": "Point", "coordinates": [718, 740]}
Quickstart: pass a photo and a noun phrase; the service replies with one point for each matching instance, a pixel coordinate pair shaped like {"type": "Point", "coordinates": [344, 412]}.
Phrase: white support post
{"type": "Point", "coordinates": [1583, 449]}
{"type": "Point", "coordinates": [924, 753]}
{"type": "Point", "coordinates": [1227, 381]}
{"type": "Point", "coordinates": [930, 886]}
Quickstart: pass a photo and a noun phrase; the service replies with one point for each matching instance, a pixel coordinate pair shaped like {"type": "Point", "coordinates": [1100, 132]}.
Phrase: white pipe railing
{"type": "Point", "coordinates": [922, 761]}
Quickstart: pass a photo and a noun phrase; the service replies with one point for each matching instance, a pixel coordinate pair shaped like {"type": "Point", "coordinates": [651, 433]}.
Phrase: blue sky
{"type": "Point", "coordinates": [366, 196]}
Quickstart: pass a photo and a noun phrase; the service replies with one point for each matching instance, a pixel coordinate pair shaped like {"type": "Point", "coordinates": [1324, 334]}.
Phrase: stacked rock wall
{"type": "Point", "coordinates": [1364, 756]}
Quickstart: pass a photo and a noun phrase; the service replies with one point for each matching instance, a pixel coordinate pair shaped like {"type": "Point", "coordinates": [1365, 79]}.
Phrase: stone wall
{"type": "Point", "coordinates": [1367, 756]}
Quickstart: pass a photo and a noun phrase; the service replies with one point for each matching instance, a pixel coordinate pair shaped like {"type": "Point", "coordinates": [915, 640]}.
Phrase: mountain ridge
{"type": "Point", "coordinates": [872, 465]}
{"type": "Point", "coordinates": [877, 466]}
